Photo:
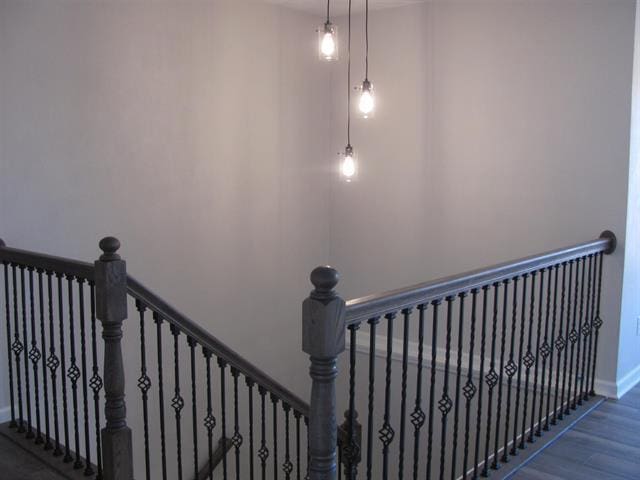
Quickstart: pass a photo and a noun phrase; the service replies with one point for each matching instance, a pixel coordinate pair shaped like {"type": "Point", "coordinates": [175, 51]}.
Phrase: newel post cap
{"type": "Point", "coordinates": [109, 245]}
{"type": "Point", "coordinates": [324, 279]}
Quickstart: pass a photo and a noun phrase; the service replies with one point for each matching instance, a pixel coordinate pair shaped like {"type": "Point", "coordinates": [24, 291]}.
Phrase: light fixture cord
{"type": "Point", "coordinates": [328, 10]}
{"type": "Point", "coordinates": [349, 78]}
{"type": "Point", "coordinates": [366, 40]}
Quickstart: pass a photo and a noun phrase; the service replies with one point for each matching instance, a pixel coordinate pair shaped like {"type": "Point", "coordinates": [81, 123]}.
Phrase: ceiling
{"type": "Point", "coordinates": [339, 7]}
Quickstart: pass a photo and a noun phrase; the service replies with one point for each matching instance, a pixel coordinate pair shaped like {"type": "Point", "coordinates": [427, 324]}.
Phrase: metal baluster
{"type": "Point", "coordinates": [445, 403]}
{"type": "Point", "coordinates": [13, 423]}
{"type": "Point", "coordinates": [352, 449]}
{"type": "Point", "coordinates": [194, 401]}
{"type": "Point", "coordinates": [406, 313]}
{"type": "Point", "coordinates": [88, 471]}
{"type": "Point", "coordinates": [96, 381]}
{"type": "Point", "coordinates": [586, 332]}
{"type": "Point", "coordinates": [52, 363]}
{"type": "Point", "coordinates": [163, 448]}
{"type": "Point", "coordinates": [177, 402]}
{"type": "Point", "coordinates": [274, 401]}
{"type": "Point", "coordinates": [263, 453]}
{"type": "Point", "coordinates": [511, 368]}
{"type": "Point", "coordinates": [223, 405]}
{"type": "Point", "coordinates": [296, 415]}
{"type": "Point", "coordinates": [386, 432]}
{"type": "Point", "coordinates": [306, 424]}
{"type": "Point", "coordinates": [34, 356]}
{"type": "Point", "coordinates": [552, 345]}
{"type": "Point", "coordinates": [492, 380]}
{"type": "Point", "coordinates": [210, 420]}
{"type": "Point", "coordinates": [67, 451]}
{"type": "Point", "coordinates": [456, 409]}
{"type": "Point", "coordinates": [528, 360]}
{"type": "Point", "coordinates": [523, 315]}
{"type": "Point", "coordinates": [545, 350]}
{"type": "Point", "coordinates": [469, 388]}
{"type": "Point", "coordinates": [73, 373]}
{"type": "Point", "coordinates": [587, 392]}
{"type": "Point", "coordinates": [476, 462]}
{"type": "Point", "coordinates": [573, 338]}
{"type": "Point", "coordinates": [17, 348]}
{"type": "Point", "coordinates": [566, 349]}
{"type": "Point", "coordinates": [505, 300]}
{"type": "Point", "coordinates": [144, 384]}
{"type": "Point", "coordinates": [597, 323]}
{"type": "Point", "coordinates": [25, 338]}
{"type": "Point", "coordinates": [236, 440]}
{"type": "Point", "coordinates": [418, 416]}
{"type": "Point", "coordinates": [537, 361]}
{"type": "Point", "coordinates": [43, 346]}
{"type": "Point", "coordinates": [250, 383]}
{"type": "Point", "coordinates": [432, 383]}
{"type": "Point", "coordinates": [560, 344]}
{"type": "Point", "coordinates": [287, 467]}
{"type": "Point", "coordinates": [373, 322]}
{"type": "Point", "coordinates": [577, 398]}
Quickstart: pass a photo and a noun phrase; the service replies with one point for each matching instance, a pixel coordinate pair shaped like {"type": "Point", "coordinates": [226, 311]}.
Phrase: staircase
{"type": "Point", "coordinates": [461, 377]}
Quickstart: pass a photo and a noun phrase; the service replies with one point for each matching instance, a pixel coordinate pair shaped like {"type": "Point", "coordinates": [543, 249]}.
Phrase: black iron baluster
{"type": "Point", "coordinates": [406, 314]}
{"type": "Point", "coordinates": [236, 440]}
{"type": "Point", "coordinates": [163, 447]}
{"type": "Point", "coordinates": [560, 344]}
{"type": "Point", "coordinates": [418, 416]}
{"type": "Point", "coordinates": [577, 398]}
{"type": "Point", "coordinates": [445, 403]}
{"type": "Point", "coordinates": [552, 344]}
{"type": "Point", "coordinates": [53, 363]}
{"type": "Point", "coordinates": [250, 383]}
{"type": "Point", "coordinates": [537, 360]}
{"type": "Point", "coordinates": [505, 299]}
{"type": "Point", "coordinates": [373, 322]}
{"type": "Point", "coordinates": [545, 351]}
{"type": "Point", "coordinates": [144, 384]}
{"type": "Point", "coordinates": [25, 338]}
{"type": "Point", "coordinates": [492, 380]}
{"type": "Point", "coordinates": [432, 382]}
{"type": "Point", "coordinates": [7, 306]}
{"type": "Point", "coordinates": [528, 361]}
{"type": "Point", "coordinates": [296, 415]}
{"type": "Point", "coordinates": [34, 356]}
{"type": "Point", "coordinates": [586, 333]}
{"type": "Point", "coordinates": [73, 373]}
{"type": "Point", "coordinates": [483, 340]}
{"type": "Point", "coordinates": [456, 408]}
{"type": "Point", "coordinates": [386, 432]}
{"type": "Point", "coordinates": [287, 467]}
{"type": "Point", "coordinates": [587, 392]}
{"type": "Point", "coordinates": [566, 411]}
{"type": "Point", "coordinates": [63, 372]}
{"type": "Point", "coordinates": [523, 316]}
{"type": "Point", "coordinates": [597, 323]}
{"type": "Point", "coordinates": [210, 420]}
{"type": "Point", "coordinates": [510, 368]}
{"type": "Point", "coordinates": [263, 453]}
{"type": "Point", "coordinates": [96, 381]}
{"type": "Point", "coordinates": [43, 347]}
{"type": "Point", "coordinates": [177, 402]}
{"type": "Point", "coordinates": [274, 401]}
{"type": "Point", "coordinates": [351, 450]}
{"type": "Point", "coordinates": [194, 401]}
{"type": "Point", "coordinates": [469, 388]}
{"type": "Point", "coordinates": [17, 348]}
{"type": "Point", "coordinates": [88, 471]}
{"type": "Point", "coordinates": [573, 338]}
{"type": "Point", "coordinates": [223, 407]}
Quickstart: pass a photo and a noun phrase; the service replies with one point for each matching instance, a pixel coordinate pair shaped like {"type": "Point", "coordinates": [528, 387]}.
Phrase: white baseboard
{"type": "Point", "coordinates": [618, 389]}
{"type": "Point", "coordinates": [5, 414]}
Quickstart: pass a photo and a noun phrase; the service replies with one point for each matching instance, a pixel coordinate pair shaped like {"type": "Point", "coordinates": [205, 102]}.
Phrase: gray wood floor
{"type": "Point", "coordinates": [18, 464]}
{"type": "Point", "coordinates": [605, 445]}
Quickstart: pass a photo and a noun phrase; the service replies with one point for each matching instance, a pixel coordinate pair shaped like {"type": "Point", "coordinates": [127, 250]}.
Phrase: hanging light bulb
{"type": "Point", "coordinates": [366, 103]}
{"type": "Point", "coordinates": [348, 166]}
{"type": "Point", "coordinates": [328, 40]}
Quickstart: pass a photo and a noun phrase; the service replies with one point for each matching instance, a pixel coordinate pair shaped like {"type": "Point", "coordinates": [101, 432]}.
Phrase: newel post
{"type": "Point", "coordinates": [323, 338]}
{"type": "Point", "coordinates": [111, 310]}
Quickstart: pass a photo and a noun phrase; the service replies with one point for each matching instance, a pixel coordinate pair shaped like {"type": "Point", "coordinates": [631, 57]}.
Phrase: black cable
{"type": "Point", "coordinates": [366, 40]}
{"type": "Point", "coordinates": [349, 78]}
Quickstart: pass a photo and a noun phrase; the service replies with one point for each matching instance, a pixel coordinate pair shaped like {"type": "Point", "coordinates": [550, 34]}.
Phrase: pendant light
{"type": "Point", "coordinates": [328, 40]}
{"type": "Point", "coordinates": [348, 164]}
{"type": "Point", "coordinates": [366, 103]}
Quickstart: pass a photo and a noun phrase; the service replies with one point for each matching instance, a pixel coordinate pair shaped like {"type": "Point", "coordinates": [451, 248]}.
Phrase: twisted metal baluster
{"type": "Point", "coordinates": [560, 344]}
{"type": "Point", "coordinates": [287, 467]}
{"type": "Point", "coordinates": [250, 383]}
{"type": "Point", "coordinates": [577, 398]}
{"type": "Point", "coordinates": [34, 356]}
{"type": "Point", "coordinates": [67, 451]}
{"type": "Point", "coordinates": [469, 388]}
{"type": "Point", "coordinates": [544, 349]}
{"type": "Point", "coordinates": [297, 416]}
{"type": "Point", "coordinates": [13, 423]}
{"type": "Point", "coordinates": [373, 322]}
{"type": "Point", "coordinates": [418, 416]}
{"type": "Point", "coordinates": [537, 361]}
{"type": "Point", "coordinates": [492, 380]}
{"type": "Point", "coordinates": [386, 432]}
{"type": "Point", "coordinates": [88, 471]}
{"type": "Point", "coordinates": [587, 393]}
{"type": "Point", "coordinates": [73, 373]}
{"type": "Point", "coordinates": [351, 450]}
{"type": "Point", "coordinates": [95, 382]}
{"type": "Point", "coordinates": [223, 406]}
{"type": "Point", "coordinates": [236, 440]}
{"type": "Point", "coordinates": [510, 368]}
{"type": "Point", "coordinates": [43, 344]}
{"type": "Point", "coordinates": [52, 364]}
{"type": "Point", "coordinates": [586, 332]}
{"type": "Point", "coordinates": [505, 300]}
{"type": "Point", "coordinates": [483, 339]}
{"type": "Point", "coordinates": [566, 349]}
{"type": "Point", "coordinates": [573, 338]}
{"type": "Point", "coordinates": [210, 420]}
{"type": "Point", "coordinates": [17, 348]}
{"type": "Point", "coordinates": [27, 387]}
{"type": "Point", "coordinates": [263, 453]}
{"type": "Point", "coordinates": [163, 447]}
{"type": "Point", "coordinates": [456, 409]}
{"type": "Point", "coordinates": [523, 314]}
{"type": "Point", "coordinates": [597, 323]}
{"type": "Point", "coordinates": [274, 401]}
{"type": "Point", "coordinates": [528, 361]}
{"type": "Point", "coordinates": [406, 314]}
{"type": "Point", "coordinates": [144, 384]}
{"type": "Point", "coordinates": [445, 403]}
{"type": "Point", "coordinates": [194, 400]}
{"type": "Point", "coordinates": [552, 346]}
{"type": "Point", "coordinates": [432, 383]}
{"type": "Point", "coordinates": [177, 402]}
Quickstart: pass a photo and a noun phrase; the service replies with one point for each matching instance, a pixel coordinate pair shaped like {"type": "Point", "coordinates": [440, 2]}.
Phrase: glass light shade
{"type": "Point", "coordinates": [348, 165]}
{"type": "Point", "coordinates": [328, 42]}
{"type": "Point", "coordinates": [366, 100]}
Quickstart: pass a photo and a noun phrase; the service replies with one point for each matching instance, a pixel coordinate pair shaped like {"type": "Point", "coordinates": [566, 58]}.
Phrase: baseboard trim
{"type": "Point", "coordinates": [618, 389]}
{"type": "Point", "coordinates": [5, 414]}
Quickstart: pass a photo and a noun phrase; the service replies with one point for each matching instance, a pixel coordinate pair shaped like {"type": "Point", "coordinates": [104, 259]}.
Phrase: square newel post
{"type": "Point", "coordinates": [111, 310]}
{"type": "Point", "coordinates": [323, 338]}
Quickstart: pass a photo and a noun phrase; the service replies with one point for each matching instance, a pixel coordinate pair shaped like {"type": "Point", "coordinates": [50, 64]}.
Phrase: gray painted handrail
{"type": "Point", "coordinates": [215, 346]}
{"type": "Point", "coordinates": [376, 305]}
{"type": "Point", "coordinates": [65, 266]}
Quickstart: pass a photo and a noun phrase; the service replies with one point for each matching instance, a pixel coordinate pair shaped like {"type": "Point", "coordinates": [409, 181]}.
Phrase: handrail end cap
{"type": "Point", "coordinates": [613, 241]}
